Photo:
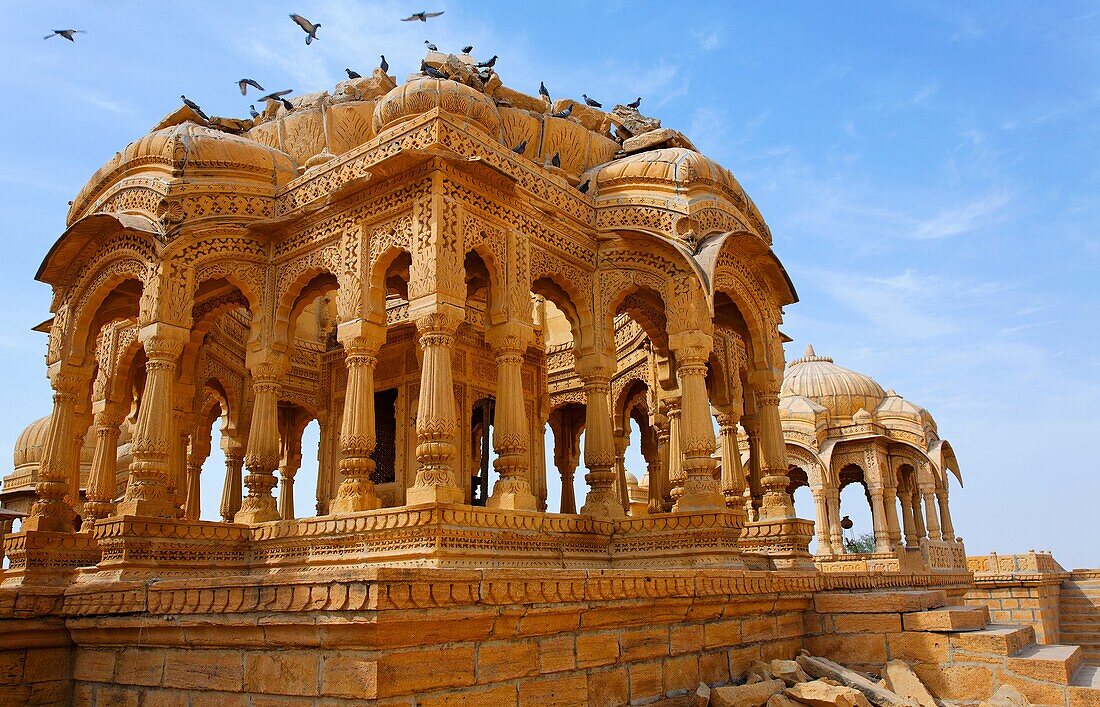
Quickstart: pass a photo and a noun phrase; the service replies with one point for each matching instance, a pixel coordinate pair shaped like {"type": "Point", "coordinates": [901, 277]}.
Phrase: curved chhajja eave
{"type": "Point", "coordinates": [55, 266]}
{"type": "Point", "coordinates": [685, 256]}
{"type": "Point", "coordinates": [943, 456]}
{"type": "Point", "coordinates": [757, 253]}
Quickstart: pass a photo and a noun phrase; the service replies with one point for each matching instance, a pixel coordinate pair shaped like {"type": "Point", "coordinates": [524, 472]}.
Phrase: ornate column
{"type": "Point", "coordinates": [675, 466]}
{"type": "Point", "coordinates": [658, 475]}
{"type": "Point", "coordinates": [773, 467]}
{"type": "Point", "coordinates": [324, 464]}
{"type": "Point", "coordinates": [946, 527]}
{"type": "Point", "coordinates": [538, 463]}
{"type": "Point", "coordinates": [733, 476]}
{"type": "Point", "coordinates": [102, 481]}
{"type": "Point", "coordinates": [262, 457]}
{"type": "Point", "coordinates": [821, 527]}
{"type": "Point", "coordinates": [436, 417]}
{"type": "Point", "coordinates": [836, 533]}
{"type": "Point", "coordinates": [511, 440]}
{"type": "Point", "coordinates": [231, 491]}
{"type": "Point", "coordinates": [930, 512]}
{"type": "Point", "coordinates": [154, 436]}
{"type": "Point", "coordinates": [291, 462]}
{"type": "Point", "coordinates": [890, 500]}
{"type": "Point", "coordinates": [177, 466]}
{"type": "Point", "coordinates": [878, 520]}
{"type": "Point", "coordinates": [909, 524]}
{"type": "Point", "coordinates": [755, 492]}
{"type": "Point", "coordinates": [80, 429]}
{"type": "Point", "coordinates": [567, 465]}
{"type": "Point", "coordinates": [622, 441]}
{"type": "Point", "coordinates": [361, 340]}
{"type": "Point", "coordinates": [50, 512]}
{"type": "Point", "coordinates": [918, 514]}
{"type": "Point", "coordinates": [701, 489]}
{"type": "Point", "coordinates": [196, 457]}
{"type": "Point", "coordinates": [599, 447]}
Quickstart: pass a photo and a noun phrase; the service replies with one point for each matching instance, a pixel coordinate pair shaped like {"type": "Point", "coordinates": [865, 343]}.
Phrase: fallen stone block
{"type": "Point", "coordinates": [1006, 696]}
{"type": "Point", "coordinates": [755, 695]}
{"type": "Point", "coordinates": [901, 679]}
{"type": "Point", "coordinates": [825, 668]}
{"type": "Point", "coordinates": [789, 671]}
{"type": "Point", "coordinates": [701, 698]}
{"type": "Point", "coordinates": [781, 700]}
{"type": "Point", "coordinates": [821, 694]}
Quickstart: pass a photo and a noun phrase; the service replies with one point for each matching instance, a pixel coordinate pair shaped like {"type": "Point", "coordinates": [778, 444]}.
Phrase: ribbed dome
{"type": "Point", "coordinates": [675, 165]}
{"type": "Point", "coordinates": [32, 441]}
{"type": "Point", "coordinates": [841, 391]}
{"type": "Point", "coordinates": [421, 95]}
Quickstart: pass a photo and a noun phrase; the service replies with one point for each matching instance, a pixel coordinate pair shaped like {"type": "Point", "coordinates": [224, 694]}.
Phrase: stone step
{"type": "Point", "coordinates": [878, 602]}
{"type": "Point", "coordinates": [1055, 663]}
{"type": "Point", "coordinates": [947, 619]}
{"type": "Point", "coordinates": [1000, 639]}
{"type": "Point", "coordinates": [1084, 689]}
{"type": "Point", "coordinates": [1081, 624]}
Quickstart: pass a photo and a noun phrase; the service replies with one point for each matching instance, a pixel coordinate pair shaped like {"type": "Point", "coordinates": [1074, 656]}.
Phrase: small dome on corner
{"type": "Point", "coordinates": [423, 94]}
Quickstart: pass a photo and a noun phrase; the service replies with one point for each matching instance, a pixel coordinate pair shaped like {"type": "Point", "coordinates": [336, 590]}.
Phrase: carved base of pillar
{"type": "Point", "coordinates": [608, 507]}
{"type": "Point", "coordinates": [785, 541]}
{"type": "Point", "coordinates": [352, 503]}
{"type": "Point", "coordinates": [508, 496]}
{"type": "Point", "coordinates": [436, 493]}
{"type": "Point", "coordinates": [700, 501]}
{"type": "Point", "coordinates": [257, 510]}
{"type": "Point", "coordinates": [146, 508]}
{"type": "Point", "coordinates": [43, 557]}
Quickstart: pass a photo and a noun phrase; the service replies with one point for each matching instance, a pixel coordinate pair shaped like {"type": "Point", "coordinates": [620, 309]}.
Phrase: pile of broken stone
{"type": "Point", "coordinates": [819, 682]}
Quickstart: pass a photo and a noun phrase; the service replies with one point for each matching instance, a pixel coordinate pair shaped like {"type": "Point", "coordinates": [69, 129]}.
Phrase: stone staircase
{"type": "Point", "coordinates": [959, 655]}
{"type": "Point", "coordinates": [1079, 613]}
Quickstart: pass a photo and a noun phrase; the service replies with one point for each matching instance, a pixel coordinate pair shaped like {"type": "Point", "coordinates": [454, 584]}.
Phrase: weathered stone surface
{"type": "Point", "coordinates": [901, 679]}
{"type": "Point", "coordinates": [1006, 696]}
{"type": "Point", "coordinates": [826, 669]}
{"type": "Point", "coordinates": [789, 671]}
{"type": "Point", "coordinates": [753, 695]}
{"type": "Point", "coordinates": [819, 693]}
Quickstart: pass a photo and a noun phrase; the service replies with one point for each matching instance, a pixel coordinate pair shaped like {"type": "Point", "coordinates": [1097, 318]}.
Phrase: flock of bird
{"type": "Point", "coordinates": [484, 70]}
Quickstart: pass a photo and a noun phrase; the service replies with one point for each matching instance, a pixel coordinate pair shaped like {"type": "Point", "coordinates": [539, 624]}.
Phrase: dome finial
{"type": "Point", "coordinates": [810, 351]}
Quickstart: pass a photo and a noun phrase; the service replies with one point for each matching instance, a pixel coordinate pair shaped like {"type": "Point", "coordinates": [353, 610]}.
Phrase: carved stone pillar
{"type": "Point", "coordinates": [538, 464]}
{"type": "Point", "coordinates": [361, 342]}
{"type": "Point", "coordinates": [733, 476]}
{"type": "Point", "coordinates": [836, 533]}
{"type": "Point", "coordinates": [178, 473]}
{"type": "Point", "coordinates": [599, 446]}
{"type": "Point", "coordinates": [675, 466]}
{"type": "Point", "coordinates": [701, 489]}
{"type": "Point", "coordinates": [930, 513]}
{"type": "Point", "coordinates": [890, 500]}
{"type": "Point", "coordinates": [196, 457]}
{"type": "Point", "coordinates": [511, 439]}
{"type": "Point", "coordinates": [947, 528]}
{"type": "Point", "coordinates": [262, 457]}
{"type": "Point", "coordinates": [80, 429]}
{"type": "Point", "coordinates": [231, 491]}
{"type": "Point", "coordinates": [289, 466]}
{"type": "Point", "coordinates": [878, 521]}
{"type": "Point", "coordinates": [658, 475]}
{"type": "Point", "coordinates": [154, 435]}
{"type": "Point", "coordinates": [821, 521]}
{"type": "Point", "coordinates": [918, 514]}
{"type": "Point", "coordinates": [324, 464]}
{"type": "Point", "coordinates": [777, 502]}
{"type": "Point", "coordinates": [754, 494]}
{"type": "Point", "coordinates": [622, 441]}
{"type": "Point", "coordinates": [50, 512]}
{"type": "Point", "coordinates": [436, 417]}
{"type": "Point", "coordinates": [102, 480]}
{"type": "Point", "coordinates": [909, 524]}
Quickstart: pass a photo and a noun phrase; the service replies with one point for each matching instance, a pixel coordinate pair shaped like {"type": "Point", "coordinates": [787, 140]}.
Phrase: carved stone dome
{"type": "Point", "coordinates": [421, 95]}
{"type": "Point", "coordinates": [32, 441]}
{"type": "Point", "coordinates": [839, 390]}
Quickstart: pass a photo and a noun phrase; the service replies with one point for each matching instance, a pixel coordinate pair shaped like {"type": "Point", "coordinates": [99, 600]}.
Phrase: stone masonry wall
{"type": "Point", "coordinates": [1020, 602]}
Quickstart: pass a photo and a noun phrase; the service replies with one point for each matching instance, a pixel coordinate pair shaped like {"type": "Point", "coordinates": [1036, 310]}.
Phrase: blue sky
{"type": "Point", "coordinates": [929, 171]}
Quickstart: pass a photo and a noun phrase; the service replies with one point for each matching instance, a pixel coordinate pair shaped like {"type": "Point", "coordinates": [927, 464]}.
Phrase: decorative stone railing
{"type": "Point", "coordinates": [1028, 562]}
{"type": "Point", "coordinates": [943, 555]}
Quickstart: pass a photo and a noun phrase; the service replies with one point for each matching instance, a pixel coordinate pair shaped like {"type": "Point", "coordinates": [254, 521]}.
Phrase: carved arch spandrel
{"type": "Point", "coordinates": [74, 318]}
{"type": "Point", "coordinates": [571, 292]}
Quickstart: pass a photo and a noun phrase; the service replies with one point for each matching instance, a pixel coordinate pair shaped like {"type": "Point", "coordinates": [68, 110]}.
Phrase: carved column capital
{"type": "Point", "coordinates": [360, 336]}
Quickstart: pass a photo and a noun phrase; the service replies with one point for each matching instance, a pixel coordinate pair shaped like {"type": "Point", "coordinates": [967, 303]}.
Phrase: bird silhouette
{"type": "Point", "coordinates": [489, 64]}
{"type": "Point", "coordinates": [635, 103]}
{"type": "Point", "coordinates": [194, 106]}
{"type": "Point", "coordinates": [422, 16]}
{"type": "Point", "coordinates": [275, 95]}
{"type": "Point", "coordinates": [467, 49]}
{"type": "Point", "coordinates": [252, 112]}
{"type": "Point", "coordinates": [308, 27]}
{"type": "Point", "coordinates": [563, 113]}
{"type": "Point", "coordinates": [589, 101]}
{"type": "Point", "coordinates": [66, 33]}
{"type": "Point", "coordinates": [583, 189]}
{"type": "Point", "coordinates": [243, 84]}
{"type": "Point", "coordinates": [520, 148]}
{"type": "Point", "coordinates": [385, 65]}
{"type": "Point", "coordinates": [431, 47]}
{"type": "Point", "coordinates": [543, 92]}
{"type": "Point", "coordinates": [556, 159]}
{"type": "Point", "coordinates": [435, 73]}
{"type": "Point", "coordinates": [353, 74]}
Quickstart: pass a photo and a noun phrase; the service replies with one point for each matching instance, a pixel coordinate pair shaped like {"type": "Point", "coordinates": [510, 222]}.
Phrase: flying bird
{"type": "Point", "coordinates": [431, 47]}
{"type": "Point", "coordinates": [563, 113]}
{"type": "Point", "coordinates": [583, 189]}
{"type": "Point", "coordinates": [520, 148]}
{"type": "Point", "coordinates": [589, 101]}
{"type": "Point", "coordinates": [635, 103]}
{"type": "Point", "coordinates": [275, 95]}
{"type": "Point", "coordinates": [243, 84]}
{"type": "Point", "coordinates": [489, 64]}
{"type": "Point", "coordinates": [385, 65]}
{"type": "Point", "coordinates": [194, 106]}
{"type": "Point", "coordinates": [66, 33]}
{"type": "Point", "coordinates": [435, 73]}
{"type": "Point", "coordinates": [353, 74]}
{"type": "Point", "coordinates": [467, 49]}
{"type": "Point", "coordinates": [308, 27]}
{"type": "Point", "coordinates": [252, 112]}
{"type": "Point", "coordinates": [556, 159]}
{"type": "Point", "coordinates": [422, 16]}
{"type": "Point", "coordinates": [543, 92]}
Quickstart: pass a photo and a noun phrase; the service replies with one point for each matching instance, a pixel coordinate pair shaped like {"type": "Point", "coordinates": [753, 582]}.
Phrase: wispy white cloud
{"type": "Point", "coordinates": [707, 40]}
{"type": "Point", "coordinates": [980, 213]}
